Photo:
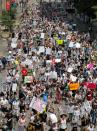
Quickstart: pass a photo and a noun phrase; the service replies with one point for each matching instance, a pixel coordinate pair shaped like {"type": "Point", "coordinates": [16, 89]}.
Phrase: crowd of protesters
{"type": "Point", "coordinates": [61, 65]}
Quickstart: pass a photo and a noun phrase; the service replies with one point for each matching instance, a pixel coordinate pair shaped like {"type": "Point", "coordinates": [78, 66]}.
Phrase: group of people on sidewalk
{"type": "Point", "coordinates": [51, 77]}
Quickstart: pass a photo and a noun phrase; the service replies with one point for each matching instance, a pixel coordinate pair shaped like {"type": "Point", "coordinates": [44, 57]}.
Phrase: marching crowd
{"type": "Point", "coordinates": [55, 64]}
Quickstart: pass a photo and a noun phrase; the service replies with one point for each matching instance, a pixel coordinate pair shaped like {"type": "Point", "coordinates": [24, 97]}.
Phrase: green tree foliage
{"type": "Point", "coordinates": [85, 6]}
{"type": "Point", "coordinates": [7, 18]}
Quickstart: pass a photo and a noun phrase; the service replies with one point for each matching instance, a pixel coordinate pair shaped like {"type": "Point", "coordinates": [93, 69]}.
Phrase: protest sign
{"type": "Point", "coordinates": [90, 85]}
{"type": "Point", "coordinates": [56, 61]}
{"type": "Point", "coordinates": [14, 87]}
{"type": "Point", "coordinates": [71, 44]}
{"type": "Point", "coordinates": [53, 75]}
{"type": "Point", "coordinates": [73, 78]}
{"type": "Point", "coordinates": [16, 62]}
{"type": "Point", "coordinates": [24, 72]}
{"type": "Point", "coordinates": [90, 66]}
{"type": "Point", "coordinates": [38, 104]}
{"type": "Point", "coordinates": [48, 51]}
{"type": "Point", "coordinates": [45, 97]}
{"type": "Point", "coordinates": [74, 86]}
{"type": "Point", "coordinates": [59, 42]}
{"type": "Point", "coordinates": [42, 35]}
{"type": "Point", "coordinates": [28, 79]}
{"type": "Point", "coordinates": [41, 49]}
{"type": "Point", "coordinates": [13, 45]}
{"type": "Point", "coordinates": [77, 45]}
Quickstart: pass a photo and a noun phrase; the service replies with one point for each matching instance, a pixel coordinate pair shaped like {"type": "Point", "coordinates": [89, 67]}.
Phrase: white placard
{"type": "Point", "coordinates": [78, 45]}
{"type": "Point", "coordinates": [48, 51]}
{"type": "Point", "coordinates": [41, 49]}
{"type": "Point", "coordinates": [28, 79]}
{"type": "Point", "coordinates": [50, 61]}
{"type": "Point", "coordinates": [70, 69]}
{"type": "Point", "coordinates": [38, 104]}
{"type": "Point", "coordinates": [53, 75]}
{"type": "Point", "coordinates": [57, 60]}
{"type": "Point", "coordinates": [71, 44]}
{"type": "Point", "coordinates": [73, 78]}
{"type": "Point", "coordinates": [14, 87]}
{"type": "Point", "coordinates": [42, 35]}
{"type": "Point", "coordinates": [13, 45]}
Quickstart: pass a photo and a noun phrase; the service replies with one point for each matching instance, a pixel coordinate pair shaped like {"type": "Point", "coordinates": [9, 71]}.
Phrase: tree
{"type": "Point", "coordinates": [85, 6]}
{"type": "Point", "coordinates": [7, 18]}
{"type": "Point", "coordinates": [95, 10]}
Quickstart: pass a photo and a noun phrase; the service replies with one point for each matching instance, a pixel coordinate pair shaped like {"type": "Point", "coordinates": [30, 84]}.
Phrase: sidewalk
{"type": "Point", "coordinates": [3, 47]}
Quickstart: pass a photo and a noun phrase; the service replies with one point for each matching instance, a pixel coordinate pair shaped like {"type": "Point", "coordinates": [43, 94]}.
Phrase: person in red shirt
{"type": "Point", "coordinates": [89, 95]}
{"type": "Point", "coordinates": [58, 95]}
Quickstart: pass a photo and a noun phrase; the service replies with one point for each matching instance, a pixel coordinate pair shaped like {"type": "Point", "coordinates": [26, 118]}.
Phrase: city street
{"type": "Point", "coordinates": [49, 70]}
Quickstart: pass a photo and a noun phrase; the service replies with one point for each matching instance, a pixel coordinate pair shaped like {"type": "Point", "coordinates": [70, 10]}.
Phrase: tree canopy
{"type": "Point", "coordinates": [86, 6]}
{"type": "Point", "coordinates": [7, 18]}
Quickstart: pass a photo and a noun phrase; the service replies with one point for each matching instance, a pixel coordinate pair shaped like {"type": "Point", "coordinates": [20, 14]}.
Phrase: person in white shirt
{"type": "Point", "coordinates": [63, 122]}
{"type": "Point", "coordinates": [4, 101]}
{"type": "Point", "coordinates": [16, 107]}
{"type": "Point", "coordinates": [90, 127]}
{"type": "Point", "coordinates": [76, 114]}
{"type": "Point", "coordinates": [52, 118]}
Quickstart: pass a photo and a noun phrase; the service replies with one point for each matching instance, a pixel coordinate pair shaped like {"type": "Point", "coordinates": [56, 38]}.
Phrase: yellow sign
{"type": "Point", "coordinates": [59, 42]}
{"type": "Point", "coordinates": [74, 86]}
{"type": "Point", "coordinates": [16, 62]}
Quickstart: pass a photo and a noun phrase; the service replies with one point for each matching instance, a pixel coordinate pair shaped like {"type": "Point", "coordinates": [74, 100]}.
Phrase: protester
{"type": "Point", "coordinates": [51, 70]}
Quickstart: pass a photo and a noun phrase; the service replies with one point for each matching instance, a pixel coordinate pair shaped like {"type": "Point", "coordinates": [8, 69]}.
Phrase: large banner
{"type": "Point", "coordinates": [38, 104]}
{"type": "Point", "coordinates": [90, 85]}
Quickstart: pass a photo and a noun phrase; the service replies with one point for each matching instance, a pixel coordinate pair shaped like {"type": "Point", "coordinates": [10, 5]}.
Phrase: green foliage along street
{"type": "Point", "coordinates": [86, 6]}
{"type": "Point", "coordinates": [7, 18]}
